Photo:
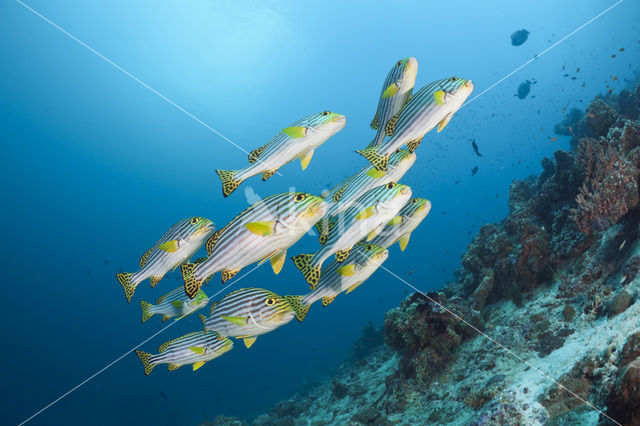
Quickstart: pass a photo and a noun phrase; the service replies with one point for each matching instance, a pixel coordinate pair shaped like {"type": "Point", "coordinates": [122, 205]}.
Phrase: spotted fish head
{"type": "Point", "coordinates": [200, 228]}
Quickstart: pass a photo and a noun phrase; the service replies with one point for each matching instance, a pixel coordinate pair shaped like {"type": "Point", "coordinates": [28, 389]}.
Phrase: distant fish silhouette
{"type": "Point", "coordinates": [475, 148]}
{"type": "Point", "coordinates": [519, 37]}
{"type": "Point", "coordinates": [474, 171]}
{"type": "Point", "coordinates": [524, 89]}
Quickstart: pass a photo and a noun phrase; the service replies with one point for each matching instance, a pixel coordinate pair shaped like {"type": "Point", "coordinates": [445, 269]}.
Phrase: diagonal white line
{"type": "Point", "coordinates": [500, 345]}
{"type": "Point", "coordinates": [115, 361]}
{"type": "Point", "coordinates": [542, 53]}
{"type": "Point", "coordinates": [128, 74]}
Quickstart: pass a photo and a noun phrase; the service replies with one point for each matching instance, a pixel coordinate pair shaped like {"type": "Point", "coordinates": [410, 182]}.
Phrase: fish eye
{"type": "Point", "coordinates": [270, 301]}
{"type": "Point", "coordinates": [415, 200]}
{"type": "Point", "coordinates": [397, 150]}
{"type": "Point", "coordinates": [370, 247]}
{"type": "Point", "coordinates": [195, 220]}
{"type": "Point", "coordinates": [300, 197]}
{"type": "Point", "coordinates": [326, 112]}
{"type": "Point", "coordinates": [453, 79]}
{"type": "Point", "coordinates": [391, 185]}
{"type": "Point", "coordinates": [399, 63]}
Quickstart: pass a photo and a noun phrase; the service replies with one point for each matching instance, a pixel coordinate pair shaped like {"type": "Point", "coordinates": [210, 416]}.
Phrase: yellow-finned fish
{"type": "Point", "coordinates": [365, 218]}
{"type": "Point", "coordinates": [338, 277]}
{"type": "Point", "coordinates": [263, 231]}
{"type": "Point", "coordinates": [396, 92]}
{"type": "Point", "coordinates": [296, 141]}
{"type": "Point", "coordinates": [249, 312]}
{"type": "Point", "coordinates": [194, 348]}
{"type": "Point", "coordinates": [178, 244]}
{"type": "Point", "coordinates": [432, 105]}
{"type": "Point", "coordinates": [174, 304]}
{"type": "Point", "coordinates": [399, 229]}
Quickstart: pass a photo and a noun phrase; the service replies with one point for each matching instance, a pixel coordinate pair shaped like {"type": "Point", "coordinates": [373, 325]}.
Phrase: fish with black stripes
{"type": "Point", "coordinates": [431, 106]}
{"type": "Point", "coordinates": [342, 196]}
{"type": "Point", "coordinates": [399, 229]}
{"type": "Point", "coordinates": [263, 231]}
{"type": "Point", "coordinates": [365, 218]}
{"type": "Point", "coordinates": [178, 244]}
{"type": "Point", "coordinates": [250, 312]}
{"type": "Point", "coordinates": [296, 141]}
{"type": "Point", "coordinates": [396, 92]}
{"type": "Point", "coordinates": [174, 304]}
{"type": "Point", "coordinates": [346, 276]}
{"type": "Point", "coordinates": [195, 348]}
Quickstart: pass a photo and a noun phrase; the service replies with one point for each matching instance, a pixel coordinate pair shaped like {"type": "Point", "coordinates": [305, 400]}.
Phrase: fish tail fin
{"type": "Point", "coordinates": [229, 181]}
{"type": "Point", "coordinates": [146, 313]}
{"type": "Point", "coordinates": [299, 307]}
{"type": "Point", "coordinates": [145, 358]}
{"type": "Point", "coordinates": [311, 273]}
{"type": "Point", "coordinates": [124, 278]}
{"type": "Point", "coordinates": [191, 283]}
{"type": "Point", "coordinates": [380, 162]}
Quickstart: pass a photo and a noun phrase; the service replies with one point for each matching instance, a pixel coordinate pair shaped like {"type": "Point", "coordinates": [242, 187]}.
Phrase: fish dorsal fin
{"type": "Point", "coordinates": [145, 256]}
{"type": "Point", "coordinates": [413, 144]}
{"type": "Point", "coordinates": [444, 122]}
{"type": "Point", "coordinates": [227, 274]}
{"type": "Point", "coordinates": [162, 298]}
{"type": "Point", "coordinates": [338, 194]}
{"type": "Point", "coordinates": [213, 307]}
{"type": "Point", "coordinates": [154, 281]}
{"type": "Point", "coordinates": [342, 254]}
{"type": "Point", "coordinates": [163, 347]}
{"type": "Point", "coordinates": [375, 123]}
{"type": "Point", "coordinates": [327, 299]}
{"type": "Point", "coordinates": [327, 230]}
{"type": "Point", "coordinates": [391, 125]}
{"type": "Point", "coordinates": [253, 155]}
{"type": "Point", "coordinates": [211, 242]}
{"type": "Point", "coordinates": [268, 173]}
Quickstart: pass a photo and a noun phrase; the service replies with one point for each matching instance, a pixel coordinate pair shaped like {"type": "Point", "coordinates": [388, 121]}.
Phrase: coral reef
{"type": "Point", "coordinates": [550, 298]}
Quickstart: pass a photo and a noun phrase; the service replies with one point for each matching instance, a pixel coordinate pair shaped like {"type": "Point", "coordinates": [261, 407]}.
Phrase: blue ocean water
{"type": "Point", "coordinates": [96, 167]}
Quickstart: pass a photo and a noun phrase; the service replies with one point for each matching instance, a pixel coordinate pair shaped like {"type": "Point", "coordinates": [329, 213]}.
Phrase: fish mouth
{"type": "Point", "coordinates": [468, 84]}
{"type": "Point", "coordinates": [318, 207]}
{"type": "Point", "coordinates": [411, 64]}
{"type": "Point", "coordinates": [406, 190]}
{"type": "Point", "coordinates": [382, 255]}
{"type": "Point", "coordinates": [339, 119]}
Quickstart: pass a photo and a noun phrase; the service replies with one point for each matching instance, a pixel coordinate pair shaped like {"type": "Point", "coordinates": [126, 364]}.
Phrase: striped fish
{"type": "Point", "coordinates": [401, 227]}
{"type": "Point", "coordinates": [194, 348]}
{"type": "Point", "coordinates": [174, 304]}
{"type": "Point", "coordinates": [264, 230]}
{"type": "Point", "coordinates": [366, 217]}
{"type": "Point", "coordinates": [395, 93]}
{"type": "Point", "coordinates": [342, 196]}
{"type": "Point", "coordinates": [432, 105]}
{"type": "Point", "coordinates": [178, 244]}
{"type": "Point", "coordinates": [250, 312]}
{"type": "Point", "coordinates": [297, 141]}
{"type": "Point", "coordinates": [337, 277]}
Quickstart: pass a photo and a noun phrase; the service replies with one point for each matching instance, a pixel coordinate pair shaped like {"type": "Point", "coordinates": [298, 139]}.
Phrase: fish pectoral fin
{"type": "Point", "coordinates": [235, 320]}
{"type": "Point", "coordinates": [376, 174]}
{"type": "Point", "coordinates": [440, 97]}
{"type": "Point", "coordinates": [295, 132]}
{"type": "Point", "coordinates": [170, 246]}
{"type": "Point", "coordinates": [262, 228]}
{"type": "Point", "coordinates": [177, 304]}
{"type": "Point", "coordinates": [395, 221]}
{"type": "Point", "coordinates": [374, 233]}
{"type": "Point", "coordinates": [198, 364]}
{"type": "Point", "coordinates": [347, 270]}
{"type": "Point", "coordinates": [366, 213]}
{"type": "Point", "coordinates": [248, 341]}
{"type": "Point", "coordinates": [198, 350]}
{"type": "Point", "coordinates": [353, 287]}
{"type": "Point", "coordinates": [305, 158]}
{"type": "Point", "coordinates": [444, 122]}
{"type": "Point", "coordinates": [327, 299]}
{"type": "Point", "coordinates": [277, 261]}
{"type": "Point", "coordinates": [404, 240]}
{"type": "Point", "coordinates": [390, 91]}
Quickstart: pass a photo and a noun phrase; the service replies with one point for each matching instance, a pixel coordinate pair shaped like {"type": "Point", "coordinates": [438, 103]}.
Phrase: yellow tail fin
{"type": "Point", "coordinates": [145, 358]}
{"type": "Point", "coordinates": [311, 274]}
{"type": "Point", "coordinates": [124, 278]}
{"type": "Point", "coordinates": [298, 307]}
{"type": "Point", "coordinates": [191, 284]}
{"type": "Point", "coordinates": [229, 181]}
{"type": "Point", "coordinates": [380, 162]}
{"type": "Point", "coordinates": [145, 310]}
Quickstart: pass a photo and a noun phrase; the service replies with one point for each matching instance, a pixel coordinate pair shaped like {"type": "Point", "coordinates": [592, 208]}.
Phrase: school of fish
{"type": "Point", "coordinates": [357, 220]}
